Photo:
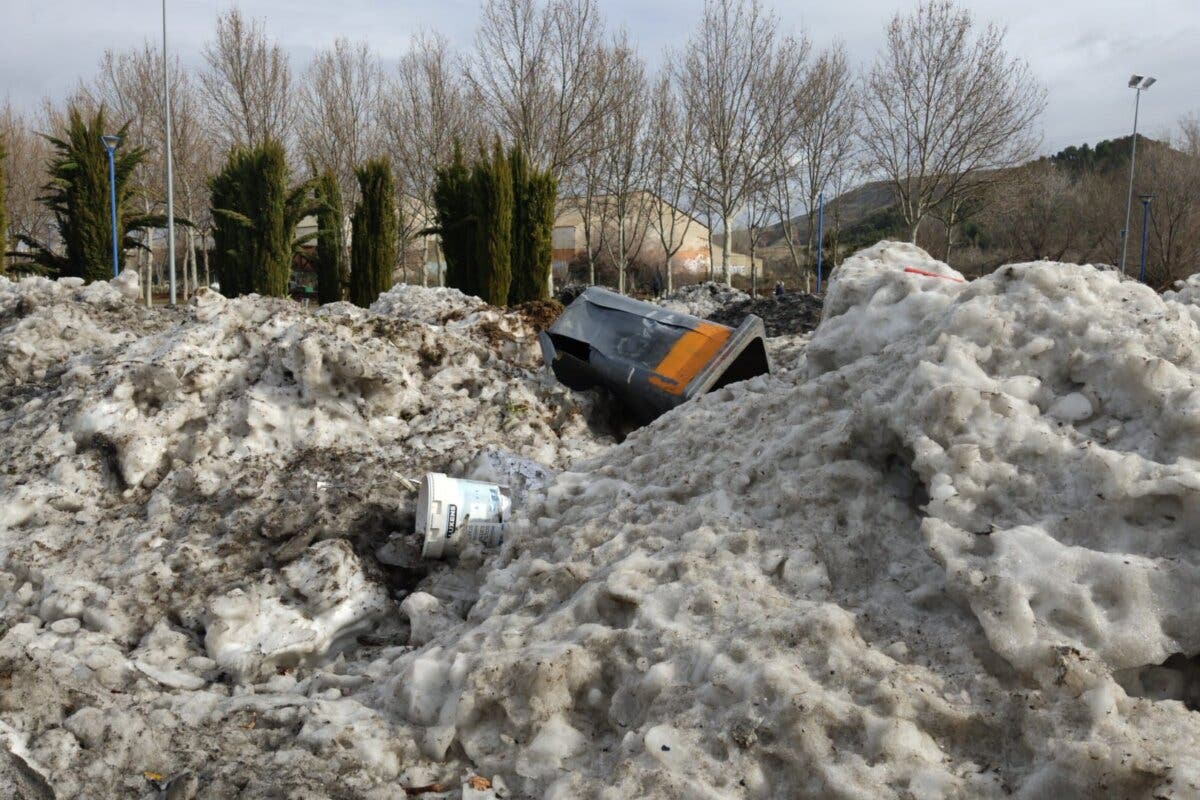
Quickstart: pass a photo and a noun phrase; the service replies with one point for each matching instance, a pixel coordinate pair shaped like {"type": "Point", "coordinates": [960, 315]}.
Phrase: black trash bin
{"type": "Point", "coordinates": [650, 358]}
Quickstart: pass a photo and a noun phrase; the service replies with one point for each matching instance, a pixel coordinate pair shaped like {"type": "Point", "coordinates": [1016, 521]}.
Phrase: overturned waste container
{"type": "Point", "coordinates": [650, 358]}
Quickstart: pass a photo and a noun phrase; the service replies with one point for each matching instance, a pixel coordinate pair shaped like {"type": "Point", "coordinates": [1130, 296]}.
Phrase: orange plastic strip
{"type": "Point", "coordinates": [688, 356]}
{"type": "Point", "coordinates": [927, 274]}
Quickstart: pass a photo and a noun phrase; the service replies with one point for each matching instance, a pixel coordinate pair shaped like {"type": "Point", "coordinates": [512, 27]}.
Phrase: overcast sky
{"type": "Point", "coordinates": [1083, 51]}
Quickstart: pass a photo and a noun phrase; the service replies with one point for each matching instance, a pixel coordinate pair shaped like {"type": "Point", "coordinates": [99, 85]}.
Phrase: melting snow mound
{"type": "Point", "coordinates": [949, 554]}
{"type": "Point", "coordinates": [931, 567]}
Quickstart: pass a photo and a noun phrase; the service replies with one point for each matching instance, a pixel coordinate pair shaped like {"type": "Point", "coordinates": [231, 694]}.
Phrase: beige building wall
{"type": "Point", "coordinates": [691, 235]}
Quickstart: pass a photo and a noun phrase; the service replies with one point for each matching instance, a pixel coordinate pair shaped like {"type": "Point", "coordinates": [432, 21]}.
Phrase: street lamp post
{"type": "Point", "coordinates": [1145, 198]}
{"type": "Point", "coordinates": [1139, 84]}
{"type": "Point", "coordinates": [110, 144]}
{"type": "Point", "coordinates": [170, 182]}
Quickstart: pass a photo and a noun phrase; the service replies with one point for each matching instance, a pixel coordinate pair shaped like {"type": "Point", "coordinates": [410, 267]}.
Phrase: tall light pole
{"type": "Point", "coordinates": [1139, 84]}
{"type": "Point", "coordinates": [110, 144]}
{"type": "Point", "coordinates": [170, 181]}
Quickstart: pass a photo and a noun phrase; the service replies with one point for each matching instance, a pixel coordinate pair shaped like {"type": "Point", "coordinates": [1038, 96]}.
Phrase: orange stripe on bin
{"type": "Point", "coordinates": [688, 356]}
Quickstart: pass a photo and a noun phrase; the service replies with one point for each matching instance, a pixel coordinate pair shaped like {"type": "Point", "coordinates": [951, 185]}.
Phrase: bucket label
{"type": "Point", "coordinates": [451, 520]}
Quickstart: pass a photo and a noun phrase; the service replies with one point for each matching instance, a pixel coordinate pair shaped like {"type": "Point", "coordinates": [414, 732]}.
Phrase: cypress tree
{"type": "Point", "coordinates": [522, 242]}
{"type": "Point", "coordinates": [373, 233]}
{"type": "Point", "coordinates": [256, 217]}
{"type": "Point", "coordinates": [78, 196]}
{"type": "Point", "coordinates": [493, 196]}
{"type": "Point", "coordinates": [453, 200]}
{"type": "Point", "coordinates": [333, 272]}
{"type": "Point", "coordinates": [534, 195]}
{"type": "Point", "coordinates": [229, 234]}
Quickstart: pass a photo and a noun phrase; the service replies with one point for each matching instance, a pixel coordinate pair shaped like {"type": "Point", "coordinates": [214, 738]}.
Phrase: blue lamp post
{"type": "Point", "coordinates": [1145, 198]}
{"type": "Point", "coordinates": [110, 144]}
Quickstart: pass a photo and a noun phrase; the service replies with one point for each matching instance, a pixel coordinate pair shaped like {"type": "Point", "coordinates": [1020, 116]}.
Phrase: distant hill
{"type": "Point", "coordinates": [855, 206]}
{"type": "Point", "coordinates": [868, 211]}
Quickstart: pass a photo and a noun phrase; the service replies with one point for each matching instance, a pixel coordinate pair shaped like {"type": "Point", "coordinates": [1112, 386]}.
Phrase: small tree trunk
{"type": "Point", "coordinates": [725, 273]}
{"type": "Point", "coordinates": [150, 274]}
{"type": "Point", "coordinates": [184, 279]}
{"type": "Point", "coordinates": [950, 232]}
{"type": "Point", "coordinates": [916, 228]}
{"type": "Point", "coordinates": [207, 276]}
{"type": "Point", "coordinates": [712, 263]}
{"type": "Point", "coordinates": [195, 264]}
{"type": "Point", "coordinates": [753, 271]}
{"type": "Point", "coordinates": [622, 265]}
{"type": "Point", "coordinates": [425, 262]}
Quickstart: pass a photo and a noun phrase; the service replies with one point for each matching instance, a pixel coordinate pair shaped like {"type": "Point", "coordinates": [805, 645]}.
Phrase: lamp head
{"type": "Point", "coordinates": [110, 141]}
{"type": "Point", "coordinates": [1134, 80]}
{"type": "Point", "coordinates": [1146, 84]}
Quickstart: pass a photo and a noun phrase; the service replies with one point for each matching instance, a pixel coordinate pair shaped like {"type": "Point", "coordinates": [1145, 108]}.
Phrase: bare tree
{"type": "Point", "coordinates": [585, 182]}
{"type": "Point", "coordinates": [626, 158]}
{"type": "Point", "coordinates": [943, 106]}
{"type": "Point", "coordinates": [24, 175]}
{"type": "Point", "coordinates": [827, 127]}
{"type": "Point", "coordinates": [815, 155]}
{"type": "Point", "coordinates": [732, 73]}
{"type": "Point", "coordinates": [1172, 175]}
{"type": "Point", "coordinates": [425, 111]}
{"type": "Point", "coordinates": [538, 71]}
{"type": "Point", "coordinates": [339, 105]}
{"type": "Point", "coordinates": [248, 83]}
{"type": "Point", "coordinates": [759, 210]}
{"type": "Point", "coordinates": [1037, 214]}
{"type": "Point", "coordinates": [672, 156]}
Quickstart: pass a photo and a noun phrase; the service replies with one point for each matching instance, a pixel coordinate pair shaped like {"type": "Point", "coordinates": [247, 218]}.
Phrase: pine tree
{"type": "Point", "coordinates": [256, 216]}
{"type": "Point", "coordinates": [78, 196]}
{"type": "Point", "coordinates": [453, 200]}
{"type": "Point", "coordinates": [373, 233]}
{"type": "Point", "coordinates": [534, 195]}
{"type": "Point", "coordinates": [493, 195]}
{"type": "Point", "coordinates": [333, 274]}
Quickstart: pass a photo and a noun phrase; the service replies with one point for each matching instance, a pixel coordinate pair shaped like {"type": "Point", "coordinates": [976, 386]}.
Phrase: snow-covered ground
{"type": "Point", "coordinates": [947, 553]}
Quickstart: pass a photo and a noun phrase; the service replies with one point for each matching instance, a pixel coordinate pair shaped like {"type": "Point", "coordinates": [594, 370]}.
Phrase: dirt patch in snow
{"type": "Point", "coordinates": [795, 313]}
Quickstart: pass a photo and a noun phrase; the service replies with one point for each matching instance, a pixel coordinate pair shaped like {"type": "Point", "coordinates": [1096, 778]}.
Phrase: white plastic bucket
{"type": "Point", "coordinates": [453, 511]}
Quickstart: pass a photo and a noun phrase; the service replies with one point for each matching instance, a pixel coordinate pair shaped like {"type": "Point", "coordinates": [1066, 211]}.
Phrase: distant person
{"type": "Point", "coordinates": [778, 290]}
{"type": "Point", "coordinates": [656, 286]}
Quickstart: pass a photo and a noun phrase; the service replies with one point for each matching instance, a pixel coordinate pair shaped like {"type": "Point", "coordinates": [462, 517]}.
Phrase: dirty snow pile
{"type": "Point", "coordinates": [948, 554]}
{"type": "Point", "coordinates": [191, 510]}
{"type": "Point", "coordinates": [1185, 291]}
{"type": "Point", "coordinates": [702, 299]}
{"type": "Point", "coordinates": [955, 559]}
